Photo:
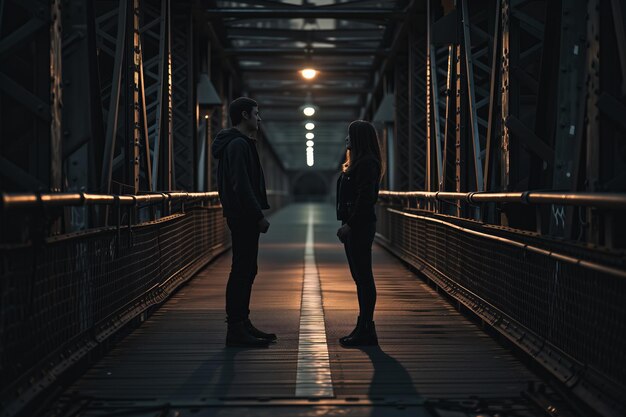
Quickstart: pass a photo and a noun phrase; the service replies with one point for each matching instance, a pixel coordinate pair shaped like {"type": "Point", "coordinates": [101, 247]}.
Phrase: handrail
{"type": "Point", "coordinates": [9, 201]}
{"type": "Point", "coordinates": [603, 200]}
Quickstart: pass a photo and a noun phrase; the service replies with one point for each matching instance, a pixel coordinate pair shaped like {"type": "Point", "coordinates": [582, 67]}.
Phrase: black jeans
{"type": "Point", "coordinates": [245, 247]}
{"type": "Point", "coordinates": [358, 246]}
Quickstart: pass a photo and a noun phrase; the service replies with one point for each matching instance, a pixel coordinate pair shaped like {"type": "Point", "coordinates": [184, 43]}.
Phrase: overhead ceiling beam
{"type": "Point", "coordinates": [305, 13]}
{"type": "Point", "coordinates": [321, 33]}
{"type": "Point", "coordinates": [301, 51]}
{"type": "Point", "coordinates": [327, 90]}
{"type": "Point", "coordinates": [294, 76]}
{"type": "Point", "coordinates": [328, 118]}
{"type": "Point", "coordinates": [348, 3]}
{"type": "Point", "coordinates": [290, 69]}
{"type": "Point", "coordinates": [280, 4]}
{"type": "Point", "coordinates": [328, 107]}
{"type": "Point", "coordinates": [277, 107]}
{"type": "Point", "coordinates": [261, 42]}
{"type": "Point", "coordinates": [271, 3]}
{"type": "Point", "coordinates": [297, 100]}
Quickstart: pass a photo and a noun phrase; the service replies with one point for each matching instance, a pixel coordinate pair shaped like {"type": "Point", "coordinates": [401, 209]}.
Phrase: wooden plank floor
{"type": "Point", "coordinates": [431, 361]}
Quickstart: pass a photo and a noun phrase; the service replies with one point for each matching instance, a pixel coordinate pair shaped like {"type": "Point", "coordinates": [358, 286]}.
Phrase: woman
{"type": "Point", "coordinates": [357, 192]}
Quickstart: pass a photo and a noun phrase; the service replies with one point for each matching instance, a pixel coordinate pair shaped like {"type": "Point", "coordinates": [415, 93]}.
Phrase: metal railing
{"type": "Point", "coordinates": [560, 301]}
{"type": "Point", "coordinates": [30, 200]}
{"type": "Point", "coordinates": [616, 201]}
{"type": "Point", "coordinates": [62, 296]}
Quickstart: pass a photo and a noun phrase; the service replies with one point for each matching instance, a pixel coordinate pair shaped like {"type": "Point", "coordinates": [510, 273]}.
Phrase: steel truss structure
{"type": "Point", "coordinates": [101, 96]}
{"type": "Point", "coordinates": [492, 98]}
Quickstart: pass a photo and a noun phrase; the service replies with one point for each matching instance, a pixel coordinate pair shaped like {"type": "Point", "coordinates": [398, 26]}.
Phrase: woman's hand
{"type": "Point", "coordinates": [342, 232]}
{"type": "Point", "coordinates": [263, 225]}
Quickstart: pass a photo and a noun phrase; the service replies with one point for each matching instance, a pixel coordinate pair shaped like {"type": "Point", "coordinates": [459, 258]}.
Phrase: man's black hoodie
{"type": "Point", "coordinates": [240, 179]}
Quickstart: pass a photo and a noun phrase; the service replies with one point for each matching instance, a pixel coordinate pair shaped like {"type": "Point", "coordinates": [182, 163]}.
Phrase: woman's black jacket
{"type": "Point", "coordinates": [357, 192]}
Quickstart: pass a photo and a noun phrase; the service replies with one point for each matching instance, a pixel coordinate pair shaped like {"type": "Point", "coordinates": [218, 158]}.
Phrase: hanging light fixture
{"type": "Point", "coordinates": [308, 73]}
{"type": "Point", "coordinates": [308, 111]}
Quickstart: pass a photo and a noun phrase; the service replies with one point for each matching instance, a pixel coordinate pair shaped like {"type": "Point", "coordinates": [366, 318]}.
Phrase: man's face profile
{"type": "Point", "coordinates": [252, 120]}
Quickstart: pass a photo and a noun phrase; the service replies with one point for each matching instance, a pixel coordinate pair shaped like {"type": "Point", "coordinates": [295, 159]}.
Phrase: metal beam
{"type": "Point", "coordinates": [304, 51]}
{"type": "Point", "coordinates": [505, 106]}
{"type": "Point", "coordinates": [534, 143]}
{"type": "Point", "coordinates": [321, 117]}
{"type": "Point", "coordinates": [570, 106]}
{"type": "Point", "coordinates": [305, 13]}
{"type": "Point", "coordinates": [330, 107]}
{"type": "Point", "coordinates": [619, 22]}
{"type": "Point", "coordinates": [326, 90]}
{"type": "Point", "coordinates": [322, 33]}
{"type": "Point", "coordinates": [39, 107]}
{"type": "Point", "coordinates": [113, 113]}
{"type": "Point", "coordinates": [294, 76]}
{"type": "Point", "coordinates": [289, 69]}
{"type": "Point", "coordinates": [16, 174]}
{"type": "Point", "coordinates": [494, 86]}
{"type": "Point", "coordinates": [21, 36]}
{"type": "Point", "coordinates": [133, 84]}
{"type": "Point", "coordinates": [56, 81]}
{"type": "Point", "coordinates": [377, 76]}
{"type": "Point", "coordinates": [469, 63]}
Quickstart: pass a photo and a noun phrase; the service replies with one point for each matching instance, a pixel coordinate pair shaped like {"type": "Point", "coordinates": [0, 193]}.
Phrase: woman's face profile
{"type": "Point", "coordinates": [348, 143]}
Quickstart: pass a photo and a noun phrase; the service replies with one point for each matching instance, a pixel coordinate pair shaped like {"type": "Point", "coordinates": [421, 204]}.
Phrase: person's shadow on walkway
{"type": "Point", "coordinates": [202, 382]}
{"type": "Point", "coordinates": [390, 384]}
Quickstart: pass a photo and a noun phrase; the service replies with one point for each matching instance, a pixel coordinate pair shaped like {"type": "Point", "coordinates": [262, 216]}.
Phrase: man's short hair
{"type": "Point", "coordinates": [239, 105]}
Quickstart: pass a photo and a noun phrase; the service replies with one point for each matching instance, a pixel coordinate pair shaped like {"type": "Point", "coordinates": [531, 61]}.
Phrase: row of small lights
{"type": "Point", "coordinates": [309, 111]}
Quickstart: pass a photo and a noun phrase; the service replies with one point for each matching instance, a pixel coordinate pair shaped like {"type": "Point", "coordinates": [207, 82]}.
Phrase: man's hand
{"type": "Point", "coordinates": [263, 225]}
{"type": "Point", "coordinates": [342, 233]}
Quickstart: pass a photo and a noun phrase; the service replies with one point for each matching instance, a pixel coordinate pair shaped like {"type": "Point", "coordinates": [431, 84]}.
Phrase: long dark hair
{"type": "Point", "coordinates": [364, 143]}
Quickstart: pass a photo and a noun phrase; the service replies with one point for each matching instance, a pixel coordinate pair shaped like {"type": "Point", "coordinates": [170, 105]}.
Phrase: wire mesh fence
{"type": "Point", "coordinates": [61, 293]}
{"type": "Point", "coordinates": [573, 305]}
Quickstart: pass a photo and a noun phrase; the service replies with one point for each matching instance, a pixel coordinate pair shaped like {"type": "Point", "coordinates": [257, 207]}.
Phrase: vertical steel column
{"type": "Point", "coordinates": [593, 114]}
{"type": "Point", "coordinates": [401, 125]}
{"type": "Point", "coordinates": [469, 68]}
{"type": "Point", "coordinates": [446, 134]}
{"type": "Point", "coordinates": [412, 110]}
{"type": "Point", "coordinates": [429, 96]}
{"type": "Point", "coordinates": [26, 119]}
{"type": "Point", "coordinates": [162, 156]}
{"type": "Point", "coordinates": [505, 156]}
{"type": "Point", "coordinates": [494, 87]}
{"type": "Point", "coordinates": [158, 123]}
{"type": "Point", "coordinates": [183, 93]}
{"type": "Point", "coordinates": [133, 80]}
{"type": "Point", "coordinates": [618, 10]}
{"type": "Point", "coordinates": [192, 99]}
{"type": "Point", "coordinates": [171, 182]}
{"type": "Point", "coordinates": [208, 140]}
{"type": "Point", "coordinates": [433, 127]}
{"type": "Point", "coordinates": [569, 113]}
{"type": "Point", "coordinates": [144, 122]}
{"type": "Point", "coordinates": [435, 116]}
{"type": "Point", "coordinates": [113, 113]}
{"type": "Point", "coordinates": [56, 102]}
{"type": "Point", "coordinates": [82, 136]}
{"type": "Point", "coordinates": [461, 122]}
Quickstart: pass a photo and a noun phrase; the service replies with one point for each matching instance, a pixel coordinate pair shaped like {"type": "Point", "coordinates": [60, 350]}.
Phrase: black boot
{"type": "Point", "coordinates": [238, 335]}
{"type": "Point", "coordinates": [358, 322]}
{"type": "Point", "coordinates": [258, 333]}
{"type": "Point", "coordinates": [365, 335]}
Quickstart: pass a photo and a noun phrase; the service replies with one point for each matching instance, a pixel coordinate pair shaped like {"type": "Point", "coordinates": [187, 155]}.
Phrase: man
{"type": "Point", "coordinates": [241, 187]}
